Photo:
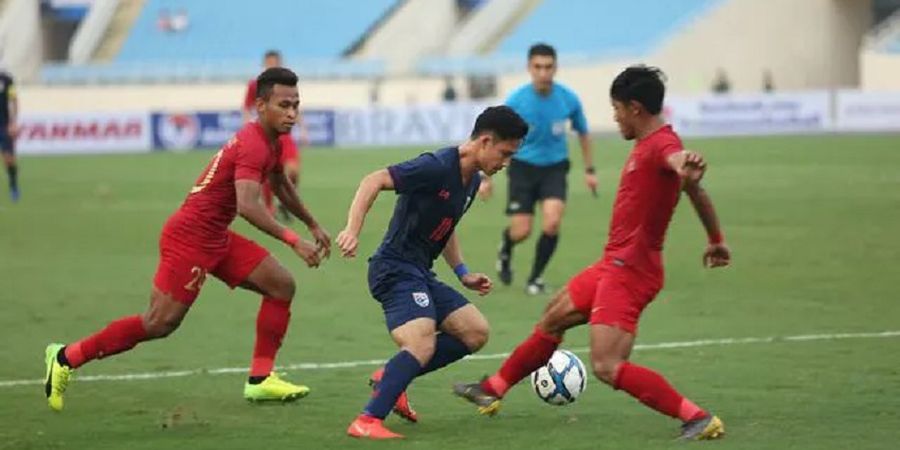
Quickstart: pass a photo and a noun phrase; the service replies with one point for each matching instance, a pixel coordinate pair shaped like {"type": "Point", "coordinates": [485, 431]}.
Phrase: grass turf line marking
{"type": "Point", "coordinates": [493, 356]}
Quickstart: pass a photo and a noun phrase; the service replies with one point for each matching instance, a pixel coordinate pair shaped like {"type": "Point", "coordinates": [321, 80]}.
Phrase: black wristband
{"type": "Point", "coordinates": [590, 170]}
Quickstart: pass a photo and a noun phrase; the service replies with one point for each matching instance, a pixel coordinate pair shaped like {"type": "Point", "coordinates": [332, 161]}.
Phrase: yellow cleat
{"type": "Point", "coordinates": [488, 405]}
{"type": "Point", "coordinates": [57, 377]}
{"type": "Point", "coordinates": [706, 428]}
{"type": "Point", "coordinates": [274, 389]}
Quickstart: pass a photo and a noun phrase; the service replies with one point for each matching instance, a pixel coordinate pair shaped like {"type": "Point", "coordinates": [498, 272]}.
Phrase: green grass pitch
{"type": "Point", "coordinates": [813, 223]}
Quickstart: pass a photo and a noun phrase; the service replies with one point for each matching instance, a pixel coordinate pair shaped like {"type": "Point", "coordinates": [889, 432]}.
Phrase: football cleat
{"type": "Point", "coordinates": [488, 405]}
{"type": "Point", "coordinates": [274, 389]}
{"type": "Point", "coordinates": [402, 407]}
{"type": "Point", "coordinates": [368, 427]}
{"type": "Point", "coordinates": [57, 377]}
{"type": "Point", "coordinates": [704, 428]}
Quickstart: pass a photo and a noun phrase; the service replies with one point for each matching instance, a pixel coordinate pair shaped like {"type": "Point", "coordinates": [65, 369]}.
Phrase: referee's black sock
{"type": "Point", "coordinates": [546, 245]}
{"type": "Point", "coordinates": [507, 246]}
{"type": "Point", "coordinates": [13, 172]}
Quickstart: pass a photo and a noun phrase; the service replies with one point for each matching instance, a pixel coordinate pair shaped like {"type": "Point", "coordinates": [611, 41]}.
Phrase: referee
{"type": "Point", "coordinates": [538, 170]}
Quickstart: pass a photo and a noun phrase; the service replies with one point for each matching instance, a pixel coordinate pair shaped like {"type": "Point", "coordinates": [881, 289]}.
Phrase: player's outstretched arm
{"type": "Point", "coordinates": [286, 192]}
{"type": "Point", "coordinates": [474, 281]}
{"type": "Point", "coordinates": [691, 167]}
{"type": "Point", "coordinates": [717, 253]}
{"type": "Point", "coordinates": [252, 210]}
{"type": "Point", "coordinates": [590, 174]}
{"type": "Point", "coordinates": [369, 187]}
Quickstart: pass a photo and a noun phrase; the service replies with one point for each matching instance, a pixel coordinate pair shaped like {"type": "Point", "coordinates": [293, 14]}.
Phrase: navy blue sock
{"type": "Point", "coordinates": [447, 350]}
{"type": "Point", "coordinates": [398, 373]}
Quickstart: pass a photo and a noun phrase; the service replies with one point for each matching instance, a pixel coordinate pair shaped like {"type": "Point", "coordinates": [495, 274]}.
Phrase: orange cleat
{"type": "Point", "coordinates": [368, 427]}
{"type": "Point", "coordinates": [402, 407]}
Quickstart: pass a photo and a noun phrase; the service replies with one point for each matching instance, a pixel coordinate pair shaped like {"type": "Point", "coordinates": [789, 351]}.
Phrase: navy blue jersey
{"type": "Point", "coordinates": [431, 201]}
{"type": "Point", "coordinates": [7, 93]}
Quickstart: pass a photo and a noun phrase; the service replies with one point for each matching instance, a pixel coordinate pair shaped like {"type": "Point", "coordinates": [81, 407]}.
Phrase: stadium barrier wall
{"type": "Point", "coordinates": [807, 112]}
{"type": "Point", "coordinates": [211, 129]}
{"type": "Point", "coordinates": [751, 114]}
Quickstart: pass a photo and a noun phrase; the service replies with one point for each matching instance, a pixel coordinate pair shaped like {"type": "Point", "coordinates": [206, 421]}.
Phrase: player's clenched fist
{"type": "Point", "coordinates": [347, 242]}
{"type": "Point", "coordinates": [323, 240]}
{"type": "Point", "coordinates": [716, 255]}
{"type": "Point", "coordinates": [308, 251]}
{"type": "Point", "coordinates": [694, 167]}
{"type": "Point", "coordinates": [477, 282]}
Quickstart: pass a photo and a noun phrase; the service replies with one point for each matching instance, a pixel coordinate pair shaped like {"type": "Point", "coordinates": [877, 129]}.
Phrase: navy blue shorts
{"type": "Point", "coordinates": [407, 292]}
{"type": "Point", "coordinates": [6, 143]}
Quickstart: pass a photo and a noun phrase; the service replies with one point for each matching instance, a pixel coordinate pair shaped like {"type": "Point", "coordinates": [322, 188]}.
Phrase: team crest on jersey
{"type": "Point", "coordinates": [444, 194]}
{"type": "Point", "coordinates": [421, 299]}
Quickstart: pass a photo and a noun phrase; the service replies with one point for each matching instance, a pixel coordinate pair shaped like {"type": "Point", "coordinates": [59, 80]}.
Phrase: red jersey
{"type": "Point", "coordinates": [648, 193]}
{"type": "Point", "coordinates": [211, 206]}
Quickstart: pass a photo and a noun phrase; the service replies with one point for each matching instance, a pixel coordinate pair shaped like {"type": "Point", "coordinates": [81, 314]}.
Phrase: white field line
{"type": "Point", "coordinates": [494, 356]}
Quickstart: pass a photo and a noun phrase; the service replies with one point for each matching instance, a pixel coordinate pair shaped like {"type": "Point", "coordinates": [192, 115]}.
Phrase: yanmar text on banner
{"type": "Point", "coordinates": [750, 114]}
{"type": "Point", "coordinates": [80, 133]}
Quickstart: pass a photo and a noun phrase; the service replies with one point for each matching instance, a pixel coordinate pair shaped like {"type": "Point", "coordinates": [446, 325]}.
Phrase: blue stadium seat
{"type": "Point", "coordinates": [603, 28]}
{"type": "Point", "coordinates": [235, 30]}
{"type": "Point", "coordinates": [894, 45]}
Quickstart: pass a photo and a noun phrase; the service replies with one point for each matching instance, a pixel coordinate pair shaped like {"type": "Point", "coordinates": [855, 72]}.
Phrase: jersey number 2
{"type": "Point", "coordinates": [199, 276]}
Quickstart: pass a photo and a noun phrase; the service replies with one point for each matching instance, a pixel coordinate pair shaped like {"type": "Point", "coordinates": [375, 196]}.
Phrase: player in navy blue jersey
{"type": "Point", "coordinates": [433, 324]}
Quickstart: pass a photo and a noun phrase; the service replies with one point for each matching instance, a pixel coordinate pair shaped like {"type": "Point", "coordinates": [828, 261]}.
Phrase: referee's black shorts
{"type": "Point", "coordinates": [529, 184]}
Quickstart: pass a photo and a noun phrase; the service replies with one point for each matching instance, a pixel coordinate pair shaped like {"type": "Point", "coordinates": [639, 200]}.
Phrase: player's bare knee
{"type": "Point", "coordinates": [477, 337]}
{"type": "Point", "coordinates": [551, 227]}
{"type": "Point", "coordinates": [160, 325]}
{"type": "Point", "coordinates": [605, 369]}
{"type": "Point", "coordinates": [551, 325]}
{"type": "Point", "coordinates": [422, 349]}
{"type": "Point", "coordinates": [519, 233]}
{"type": "Point", "coordinates": [283, 286]}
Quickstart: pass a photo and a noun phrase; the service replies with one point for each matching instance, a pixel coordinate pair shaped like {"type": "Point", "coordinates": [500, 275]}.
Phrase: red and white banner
{"type": "Point", "coordinates": [79, 133]}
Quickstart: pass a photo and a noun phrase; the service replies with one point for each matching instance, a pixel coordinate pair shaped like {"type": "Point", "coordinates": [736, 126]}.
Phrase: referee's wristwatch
{"type": "Point", "coordinates": [590, 170]}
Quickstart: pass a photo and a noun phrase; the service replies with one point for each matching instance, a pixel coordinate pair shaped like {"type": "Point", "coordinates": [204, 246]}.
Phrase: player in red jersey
{"type": "Point", "coordinates": [196, 241]}
{"type": "Point", "coordinates": [611, 294]}
{"type": "Point", "coordinates": [290, 152]}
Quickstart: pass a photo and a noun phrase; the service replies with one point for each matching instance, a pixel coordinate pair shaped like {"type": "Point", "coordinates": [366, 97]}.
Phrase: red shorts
{"type": "Point", "coordinates": [610, 293]}
{"type": "Point", "coordinates": [183, 268]}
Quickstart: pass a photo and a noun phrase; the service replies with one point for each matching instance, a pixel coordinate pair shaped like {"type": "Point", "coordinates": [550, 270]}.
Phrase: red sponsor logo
{"type": "Point", "coordinates": [90, 130]}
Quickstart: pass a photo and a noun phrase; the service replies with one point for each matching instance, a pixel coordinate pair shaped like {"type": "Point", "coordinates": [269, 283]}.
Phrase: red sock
{"type": "Point", "coordinates": [271, 325]}
{"type": "Point", "coordinates": [531, 354]}
{"type": "Point", "coordinates": [117, 337]}
{"type": "Point", "coordinates": [651, 389]}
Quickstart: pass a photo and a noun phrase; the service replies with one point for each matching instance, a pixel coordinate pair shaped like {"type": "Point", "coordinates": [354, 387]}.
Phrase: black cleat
{"type": "Point", "coordinates": [536, 287]}
{"type": "Point", "coordinates": [504, 272]}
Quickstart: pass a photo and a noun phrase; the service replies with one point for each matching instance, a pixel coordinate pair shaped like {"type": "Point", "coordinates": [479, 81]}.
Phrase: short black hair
{"type": "Point", "coordinates": [267, 80]}
{"type": "Point", "coordinates": [642, 84]}
{"type": "Point", "coordinates": [272, 54]}
{"type": "Point", "coordinates": [502, 122]}
{"type": "Point", "coordinates": [541, 49]}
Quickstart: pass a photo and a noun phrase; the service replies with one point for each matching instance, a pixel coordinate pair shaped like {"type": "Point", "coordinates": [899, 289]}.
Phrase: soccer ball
{"type": "Point", "coordinates": [562, 380]}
